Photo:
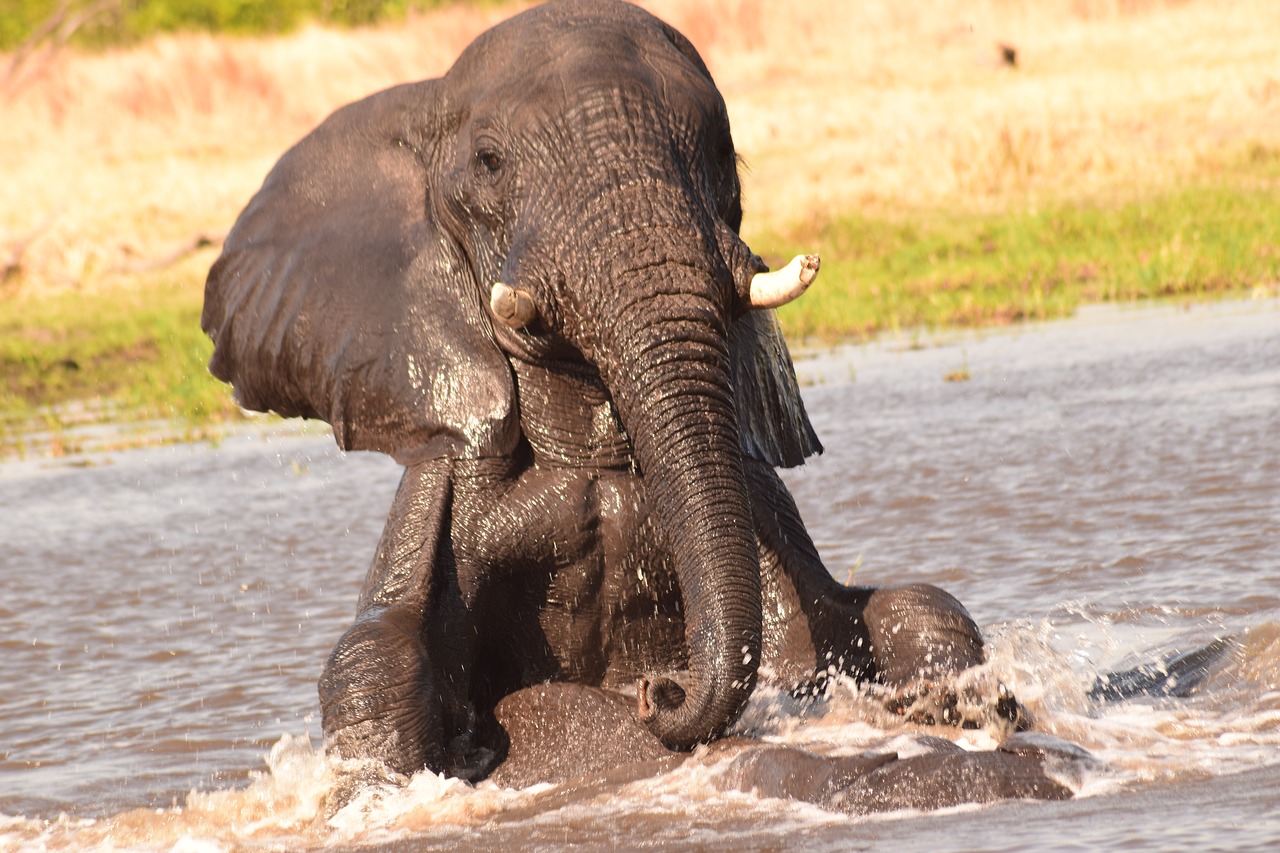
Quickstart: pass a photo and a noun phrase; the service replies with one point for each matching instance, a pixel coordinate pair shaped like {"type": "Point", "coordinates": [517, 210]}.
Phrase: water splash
{"type": "Point", "coordinates": [303, 799]}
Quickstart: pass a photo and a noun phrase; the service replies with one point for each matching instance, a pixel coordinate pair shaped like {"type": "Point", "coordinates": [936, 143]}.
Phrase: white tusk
{"type": "Point", "coordinates": [513, 307]}
{"type": "Point", "coordinates": [772, 289]}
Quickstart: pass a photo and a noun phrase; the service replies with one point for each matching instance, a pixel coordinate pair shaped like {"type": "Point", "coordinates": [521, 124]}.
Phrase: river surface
{"type": "Point", "coordinates": [1100, 492]}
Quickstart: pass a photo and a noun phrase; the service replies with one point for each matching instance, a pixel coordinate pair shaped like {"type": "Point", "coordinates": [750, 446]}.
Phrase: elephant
{"type": "Point", "coordinates": [525, 282]}
{"type": "Point", "coordinates": [587, 742]}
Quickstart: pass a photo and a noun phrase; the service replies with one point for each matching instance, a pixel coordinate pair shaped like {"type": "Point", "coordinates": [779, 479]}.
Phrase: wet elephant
{"type": "Point", "coordinates": [525, 282]}
{"type": "Point", "coordinates": [588, 742]}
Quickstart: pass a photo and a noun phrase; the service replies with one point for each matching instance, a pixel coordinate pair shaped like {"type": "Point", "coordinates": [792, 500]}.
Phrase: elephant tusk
{"type": "Point", "coordinates": [773, 289]}
{"type": "Point", "coordinates": [513, 307]}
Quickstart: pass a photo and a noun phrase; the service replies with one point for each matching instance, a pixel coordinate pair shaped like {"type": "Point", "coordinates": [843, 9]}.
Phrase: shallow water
{"type": "Point", "coordinates": [1100, 493]}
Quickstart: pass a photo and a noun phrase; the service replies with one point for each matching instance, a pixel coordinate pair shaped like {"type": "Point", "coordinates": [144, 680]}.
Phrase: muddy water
{"type": "Point", "coordinates": [1100, 492]}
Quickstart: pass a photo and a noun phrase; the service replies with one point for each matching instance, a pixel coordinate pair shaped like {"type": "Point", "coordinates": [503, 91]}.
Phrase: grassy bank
{"type": "Point", "coordinates": [100, 24]}
{"type": "Point", "coordinates": [1132, 150]}
{"type": "Point", "coordinates": [943, 268]}
{"type": "Point", "coordinates": [140, 350]}
{"type": "Point", "coordinates": [138, 354]}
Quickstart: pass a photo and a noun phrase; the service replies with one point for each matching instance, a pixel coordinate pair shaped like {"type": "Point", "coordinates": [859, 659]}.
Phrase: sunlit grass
{"type": "Point", "coordinates": [1134, 151]}
{"type": "Point", "coordinates": [870, 107]}
{"type": "Point", "coordinates": [942, 268]}
{"type": "Point", "coordinates": [138, 353]}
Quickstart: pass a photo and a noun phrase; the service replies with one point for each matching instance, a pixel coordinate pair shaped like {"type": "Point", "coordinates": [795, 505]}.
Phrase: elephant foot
{"type": "Point", "coordinates": [919, 631]}
{"type": "Point", "coordinates": [928, 702]}
{"type": "Point", "coordinates": [352, 778]}
{"type": "Point", "coordinates": [380, 702]}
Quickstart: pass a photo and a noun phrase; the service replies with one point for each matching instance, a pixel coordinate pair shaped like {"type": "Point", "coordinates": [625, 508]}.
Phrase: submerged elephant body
{"type": "Point", "coordinates": [524, 281]}
{"type": "Point", "coordinates": [557, 574]}
{"type": "Point", "coordinates": [587, 742]}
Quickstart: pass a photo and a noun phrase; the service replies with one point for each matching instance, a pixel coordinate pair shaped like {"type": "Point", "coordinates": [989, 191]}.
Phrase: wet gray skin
{"type": "Point", "coordinates": [524, 282]}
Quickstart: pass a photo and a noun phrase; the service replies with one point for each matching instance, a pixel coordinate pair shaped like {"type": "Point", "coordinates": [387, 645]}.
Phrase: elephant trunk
{"type": "Point", "coordinates": [669, 374]}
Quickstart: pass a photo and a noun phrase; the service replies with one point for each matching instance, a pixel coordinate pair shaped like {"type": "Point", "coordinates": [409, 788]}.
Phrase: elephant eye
{"type": "Point", "coordinates": [489, 160]}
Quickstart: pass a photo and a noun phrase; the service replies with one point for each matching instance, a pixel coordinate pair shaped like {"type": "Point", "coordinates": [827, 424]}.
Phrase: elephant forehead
{"type": "Point", "coordinates": [554, 28]}
{"type": "Point", "coordinates": [590, 87]}
{"type": "Point", "coordinates": [553, 58]}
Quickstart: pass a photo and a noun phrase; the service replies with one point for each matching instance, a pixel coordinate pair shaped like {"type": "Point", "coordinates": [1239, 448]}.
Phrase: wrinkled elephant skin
{"type": "Point", "coordinates": [589, 743]}
{"type": "Point", "coordinates": [525, 282]}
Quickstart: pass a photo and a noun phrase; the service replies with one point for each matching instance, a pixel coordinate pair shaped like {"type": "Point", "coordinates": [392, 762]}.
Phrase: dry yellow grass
{"type": "Point", "coordinates": [117, 158]}
{"type": "Point", "coordinates": [881, 105]}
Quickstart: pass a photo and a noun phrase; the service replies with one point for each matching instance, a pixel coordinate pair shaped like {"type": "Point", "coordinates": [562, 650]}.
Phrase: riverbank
{"type": "Point", "coordinates": [944, 268]}
{"type": "Point", "coordinates": [1123, 150]}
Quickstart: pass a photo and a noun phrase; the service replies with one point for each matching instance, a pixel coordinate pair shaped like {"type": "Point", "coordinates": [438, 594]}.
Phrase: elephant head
{"type": "Point", "coordinates": [566, 196]}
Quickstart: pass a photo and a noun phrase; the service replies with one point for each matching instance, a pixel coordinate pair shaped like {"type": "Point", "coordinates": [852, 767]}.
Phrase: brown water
{"type": "Point", "coordinates": [1102, 492]}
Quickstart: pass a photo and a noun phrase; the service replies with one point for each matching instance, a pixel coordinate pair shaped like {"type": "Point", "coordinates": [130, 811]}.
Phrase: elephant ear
{"type": "Point", "coordinates": [772, 423]}
{"type": "Point", "coordinates": [336, 297]}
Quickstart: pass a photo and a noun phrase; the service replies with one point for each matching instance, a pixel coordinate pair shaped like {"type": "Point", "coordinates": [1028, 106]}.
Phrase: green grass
{"type": "Point", "coordinates": [938, 269]}
{"type": "Point", "coordinates": [138, 353]}
{"type": "Point", "coordinates": [136, 20]}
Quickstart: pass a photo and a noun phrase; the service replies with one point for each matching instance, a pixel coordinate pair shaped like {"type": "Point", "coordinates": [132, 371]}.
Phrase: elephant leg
{"type": "Point", "coordinates": [914, 639]}
{"type": "Point", "coordinates": [920, 631]}
{"type": "Point", "coordinates": [922, 639]}
{"type": "Point", "coordinates": [394, 690]}
{"type": "Point", "coordinates": [813, 625]}
{"type": "Point", "coordinates": [379, 698]}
